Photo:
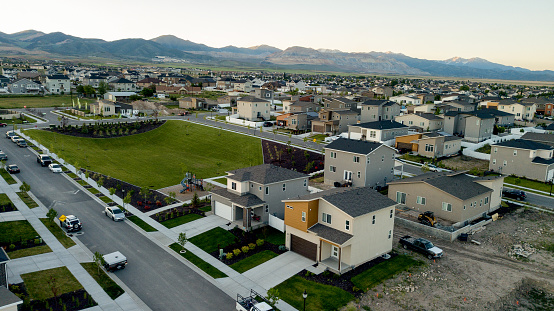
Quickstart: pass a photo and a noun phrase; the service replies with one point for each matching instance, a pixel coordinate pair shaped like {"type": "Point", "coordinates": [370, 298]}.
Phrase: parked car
{"type": "Point", "coordinates": [422, 246]}
{"type": "Point", "coordinates": [70, 223]}
{"type": "Point", "coordinates": [9, 134]}
{"type": "Point", "coordinates": [514, 194]}
{"type": "Point", "coordinates": [3, 156]}
{"type": "Point", "coordinates": [3, 125]}
{"type": "Point", "coordinates": [15, 138]}
{"type": "Point", "coordinates": [55, 168]}
{"type": "Point", "coordinates": [114, 213]}
{"type": "Point", "coordinates": [22, 143]}
{"type": "Point", "coordinates": [12, 169]}
{"type": "Point", "coordinates": [268, 124]}
{"type": "Point", "coordinates": [44, 159]}
{"type": "Point", "coordinates": [114, 261]}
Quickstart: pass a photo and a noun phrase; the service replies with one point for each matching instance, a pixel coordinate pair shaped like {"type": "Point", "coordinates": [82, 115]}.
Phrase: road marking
{"type": "Point", "coordinates": [76, 191]}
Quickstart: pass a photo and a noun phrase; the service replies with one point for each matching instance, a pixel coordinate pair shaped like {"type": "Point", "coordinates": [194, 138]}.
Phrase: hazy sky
{"type": "Point", "coordinates": [510, 32]}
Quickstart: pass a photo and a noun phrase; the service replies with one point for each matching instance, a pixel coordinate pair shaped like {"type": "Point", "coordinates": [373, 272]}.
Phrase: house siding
{"type": "Point", "coordinates": [520, 164]}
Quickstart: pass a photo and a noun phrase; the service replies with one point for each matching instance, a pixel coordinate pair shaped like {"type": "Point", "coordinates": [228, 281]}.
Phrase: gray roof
{"type": "Point", "coordinates": [3, 256]}
{"type": "Point", "coordinates": [550, 127]}
{"type": "Point", "coordinates": [355, 146]}
{"type": "Point", "coordinates": [544, 137]}
{"type": "Point", "coordinates": [540, 160]}
{"type": "Point", "coordinates": [253, 99]}
{"type": "Point", "coordinates": [451, 138]}
{"type": "Point", "coordinates": [458, 185]}
{"type": "Point", "coordinates": [524, 144]}
{"type": "Point", "coordinates": [381, 125]}
{"type": "Point", "coordinates": [265, 174]}
{"type": "Point", "coordinates": [358, 201]}
{"type": "Point", "coordinates": [246, 200]}
{"type": "Point", "coordinates": [428, 116]}
{"type": "Point", "coordinates": [330, 234]}
{"type": "Point", "coordinates": [7, 298]}
{"type": "Point", "coordinates": [377, 102]}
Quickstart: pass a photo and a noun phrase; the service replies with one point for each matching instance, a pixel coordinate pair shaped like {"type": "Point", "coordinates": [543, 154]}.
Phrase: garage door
{"type": "Point", "coordinates": [550, 175]}
{"type": "Point", "coordinates": [303, 247]}
{"type": "Point", "coordinates": [223, 210]}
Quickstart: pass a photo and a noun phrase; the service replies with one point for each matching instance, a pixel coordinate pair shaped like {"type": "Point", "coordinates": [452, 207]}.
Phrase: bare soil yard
{"type": "Point", "coordinates": [463, 163]}
{"type": "Point", "coordinates": [478, 277]}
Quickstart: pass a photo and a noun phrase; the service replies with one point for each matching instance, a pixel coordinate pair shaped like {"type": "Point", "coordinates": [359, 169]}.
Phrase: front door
{"type": "Point", "coordinates": [347, 175]}
{"type": "Point", "coordinates": [335, 252]}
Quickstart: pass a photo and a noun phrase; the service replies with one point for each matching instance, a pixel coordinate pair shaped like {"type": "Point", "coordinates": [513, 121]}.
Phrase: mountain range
{"type": "Point", "coordinates": [60, 45]}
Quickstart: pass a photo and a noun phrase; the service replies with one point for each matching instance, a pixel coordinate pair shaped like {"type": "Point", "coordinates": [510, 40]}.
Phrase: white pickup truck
{"type": "Point", "coordinates": [254, 302]}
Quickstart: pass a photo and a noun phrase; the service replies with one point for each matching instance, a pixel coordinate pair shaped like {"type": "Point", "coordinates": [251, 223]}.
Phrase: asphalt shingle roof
{"type": "Point", "coordinates": [539, 137]}
{"type": "Point", "coordinates": [3, 256]}
{"type": "Point", "coordinates": [7, 297]}
{"type": "Point", "coordinates": [253, 99]}
{"type": "Point", "coordinates": [265, 174]}
{"type": "Point", "coordinates": [246, 200]}
{"type": "Point", "coordinates": [540, 160]}
{"type": "Point", "coordinates": [524, 144]}
{"type": "Point", "coordinates": [355, 146]}
{"type": "Point", "coordinates": [358, 201]}
{"type": "Point", "coordinates": [375, 102]}
{"type": "Point", "coordinates": [330, 234]}
{"type": "Point", "coordinates": [381, 125]}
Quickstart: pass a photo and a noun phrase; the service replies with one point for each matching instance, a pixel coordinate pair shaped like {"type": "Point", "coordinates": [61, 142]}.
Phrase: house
{"type": "Point", "coordinates": [243, 86]}
{"type": "Point", "coordinates": [103, 108]}
{"type": "Point", "coordinates": [427, 108]}
{"type": "Point", "coordinates": [339, 103]}
{"type": "Point", "coordinates": [3, 269]}
{"type": "Point", "coordinates": [300, 106]}
{"type": "Point", "coordinates": [192, 103]}
{"type": "Point", "coordinates": [265, 94]}
{"type": "Point", "coordinates": [254, 193]}
{"type": "Point", "coordinates": [521, 110]}
{"type": "Point", "coordinates": [377, 110]}
{"type": "Point", "coordinates": [455, 105]}
{"type": "Point", "coordinates": [421, 121]}
{"type": "Point", "coordinates": [24, 86]}
{"type": "Point", "coordinates": [225, 83]}
{"type": "Point", "coordinates": [123, 85]}
{"type": "Point", "coordinates": [119, 96]}
{"type": "Point", "coordinates": [340, 228]}
{"type": "Point", "coordinates": [358, 163]}
{"type": "Point", "coordinates": [474, 126]}
{"type": "Point", "coordinates": [298, 122]}
{"type": "Point", "coordinates": [408, 100]}
{"type": "Point", "coordinates": [378, 131]}
{"type": "Point", "coordinates": [429, 144]}
{"type": "Point", "coordinates": [524, 158]}
{"type": "Point", "coordinates": [545, 106]}
{"type": "Point", "coordinates": [253, 109]}
{"type": "Point", "coordinates": [546, 138]}
{"type": "Point", "coordinates": [333, 121]}
{"type": "Point", "coordinates": [382, 91]}
{"type": "Point", "coordinates": [8, 300]}
{"type": "Point", "coordinates": [4, 81]}
{"type": "Point", "coordinates": [58, 84]}
{"type": "Point", "coordinates": [125, 110]}
{"type": "Point", "coordinates": [147, 82]}
{"type": "Point", "coordinates": [452, 196]}
{"type": "Point", "coordinates": [501, 118]}
{"type": "Point", "coordinates": [94, 79]}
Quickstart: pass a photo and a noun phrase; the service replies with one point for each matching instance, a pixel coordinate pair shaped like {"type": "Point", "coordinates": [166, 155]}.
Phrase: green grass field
{"type": "Point", "coordinates": [209, 240]}
{"type": "Point", "coordinates": [39, 101]}
{"type": "Point", "coordinates": [24, 196]}
{"type": "Point", "coordinates": [39, 289]}
{"type": "Point", "coordinates": [110, 287]}
{"type": "Point", "coordinates": [197, 261]}
{"type": "Point", "coordinates": [383, 271]}
{"type": "Point", "coordinates": [141, 223]}
{"type": "Point", "coordinates": [58, 232]}
{"type": "Point", "coordinates": [522, 182]}
{"type": "Point", "coordinates": [177, 221]}
{"type": "Point", "coordinates": [7, 177]}
{"type": "Point", "coordinates": [320, 296]}
{"type": "Point", "coordinates": [253, 261]}
{"type": "Point", "coordinates": [168, 151]}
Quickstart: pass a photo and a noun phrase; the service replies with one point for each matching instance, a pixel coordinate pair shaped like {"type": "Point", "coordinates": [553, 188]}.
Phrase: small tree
{"type": "Point", "coordinates": [144, 193]}
{"type": "Point", "coordinates": [100, 181]}
{"type": "Point", "coordinates": [112, 191]}
{"type": "Point", "coordinates": [182, 240]}
{"type": "Point", "coordinates": [127, 199]}
{"type": "Point", "coordinates": [195, 202]}
{"type": "Point", "coordinates": [52, 213]}
{"type": "Point", "coordinates": [98, 260]}
{"type": "Point", "coordinates": [25, 187]}
{"type": "Point", "coordinates": [273, 296]}
{"type": "Point", "coordinates": [3, 164]}
{"type": "Point", "coordinates": [53, 284]}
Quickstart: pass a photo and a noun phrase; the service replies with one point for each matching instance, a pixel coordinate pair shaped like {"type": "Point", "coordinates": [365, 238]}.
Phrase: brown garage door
{"type": "Point", "coordinates": [303, 247]}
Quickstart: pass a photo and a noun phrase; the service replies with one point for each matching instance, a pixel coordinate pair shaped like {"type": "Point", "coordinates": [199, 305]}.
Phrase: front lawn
{"type": "Point", "coordinates": [12, 231]}
{"type": "Point", "coordinates": [172, 148]}
{"type": "Point", "coordinates": [383, 271]}
{"type": "Point", "coordinates": [177, 221]}
{"type": "Point", "coordinates": [7, 177]}
{"type": "Point", "coordinates": [415, 158]}
{"type": "Point", "coordinates": [271, 235]}
{"type": "Point", "coordinates": [253, 261]}
{"type": "Point", "coordinates": [24, 196]}
{"type": "Point", "coordinates": [197, 261]}
{"type": "Point", "coordinates": [522, 182]}
{"type": "Point", "coordinates": [31, 251]}
{"type": "Point", "coordinates": [58, 232]}
{"type": "Point", "coordinates": [320, 296]}
{"type": "Point", "coordinates": [39, 289]}
{"type": "Point", "coordinates": [222, 180]}
{"type": "Point", "coordinates": [108, 285]}
{"type": "Point", "coordinates": [485, 149]}
{"type": "Point", "coordinates": [209, 240]}
{"type": "Point", "coordinates": [141, 223]}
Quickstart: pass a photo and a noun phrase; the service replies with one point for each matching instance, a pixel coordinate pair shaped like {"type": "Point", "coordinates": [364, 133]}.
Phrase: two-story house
{"type": "Point", "coordinates": [421, 121]}
{"type": "Point", "coordinates": [334, 121]}
{"type": "Point", "coordinates": [123, 85]}
{"type": "Point", "coordinates": [524, 158]}
{"type": "Point", "coordinates": [103, 108]}
{"type": "Point", "coordinates": [253, 109]}
{"type": "Point", "coordinates": [377, 110]}
{"type": "Point", "coordinates": [24, 86]}
{"type": "Point", "coordinates": [358, 163]}
{"type": "Point", "coordinates": [378, 131]}
{"type": "Point", "coordinates": [300, 106]}
{"type": "Point", "coordinates": [453, 196]}
{"type": "Point", "coordinates": [521, 110]}
{"type": "Point", "coordinates": [339, 103]}
{"type": "Point", "coordinates": [406, 99]}
{"type": "Point", "coordinates": [298, 122]}
{"type": "Point", "coordinates": [58, 84]}
{"type": "Point", "coordinates": [340, 228]}
{"type": "Point", "coordinates": [429, 144]}
{"type": "Point", "coordinates": [474, 126]}
{"type": "Point", "coordinates": [243, 86]}
{"type": "Point", "coordinates": [545, 106]}
{"type": "Point", "coordinates": [254, 193]}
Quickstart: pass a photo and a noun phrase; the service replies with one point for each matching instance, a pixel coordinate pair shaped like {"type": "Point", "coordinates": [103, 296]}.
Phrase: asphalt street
{"type": "Point", "coordinates": [155, 276]}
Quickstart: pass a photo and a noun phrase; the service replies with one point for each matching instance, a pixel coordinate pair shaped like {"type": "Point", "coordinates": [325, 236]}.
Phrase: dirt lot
{"type": "Point", "coordinates": [478, 277]}
{"type": "Point", "coordinates": [462, 163]}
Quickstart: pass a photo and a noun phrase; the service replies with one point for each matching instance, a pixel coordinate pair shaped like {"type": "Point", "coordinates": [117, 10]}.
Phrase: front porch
{"type": "Point", "coordinates": [332, 264]}
{"type": "Point", "coordinates": [250, 218]}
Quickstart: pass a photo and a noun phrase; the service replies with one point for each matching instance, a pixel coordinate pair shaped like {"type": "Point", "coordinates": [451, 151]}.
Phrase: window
{"type": "Point", "coordinates": [372, 134]}
{"type": "Point", "coordinates": [267, 209]}
{"type": "Point", "coordinates": [515, 152]}
{"type": "Point", "coordinates": [368, 160]}
{"type": "Point", "coordinates": [471, 204]}
{"type": "Point", "coordinates": [400, 197]}
{"type": "Point", "coordinates": [390, 234]}
{"type": "Point", "coordinates": [359, 174]}
{"type": "Point", "coordinates": [446, 207]}
{"type": "Point", "coordinates": [373, 220]}
{"type": "Point", "coordinates": [284, 187]}
{"type": "Point", "coordinates": [356, 159]}
{"type": "Point", "coordinates": [305, 182]}
{"type": "Point", "coordinates": [303, 216]}
{"type": "Point", "coordinates": [326, 218]}
{"type": "Point", "coordinates": [429, 148]}
{"type": "Point", "coordinates": [410, 122]}
{"type": "Point", "coordinates": [347, 225]}
{"type": "Point", "coordinates": [486, 200]}
{"type": "Point", "coordinates": [475, 204]}
{"type": "Point", "coordinates": [383, 159]}
{"type": "Point", "coordinates": [421, 200]}
{"type": "Point", "coordinates": [266, 190]}
{"type": "Point", "coordinates": [464, 207]}
{"type": "Point", "coordinates": [288, 206]}
{"type": "Point", "coordinates": [493, 161]}
{"type": "Point", "coordinates": [251, 185]}
{"type": "Point", "coordinates": [505, 163]}
{"type": "Point", "coordinates": [333, 155]}
{"type": "Point", "coordinates": [481, 202]}
{"type": "Point", "coordinates": [234, 185]}
{"type": "Point", "coordinates": [260, 188]}
{"type": "Point", "coordinates": [391, 212]}
{"type": "Point", "coordinates": [332, 168]}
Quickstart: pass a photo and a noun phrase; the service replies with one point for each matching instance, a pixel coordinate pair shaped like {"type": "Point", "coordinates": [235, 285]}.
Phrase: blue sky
{"type": "Point", "coordinates": [517, 33]}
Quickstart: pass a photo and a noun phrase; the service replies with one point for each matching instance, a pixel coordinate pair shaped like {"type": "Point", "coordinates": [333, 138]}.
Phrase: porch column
{"type": "Point", "coordinates": [320, 244]}
{"type": "Point", "coordinates": [246, 218]}
{"type": "Point", "coordinates": [340, 253]}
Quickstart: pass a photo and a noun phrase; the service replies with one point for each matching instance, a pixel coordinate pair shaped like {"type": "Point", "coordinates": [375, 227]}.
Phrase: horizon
{"type": "Point", "coordinates": [496, 30]}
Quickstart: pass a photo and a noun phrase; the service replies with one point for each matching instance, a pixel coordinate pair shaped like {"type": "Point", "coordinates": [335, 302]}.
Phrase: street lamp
{"type": "Point", "coordinates": [551, 182]}
{"type": "Point", "coordinates": [305, 295]}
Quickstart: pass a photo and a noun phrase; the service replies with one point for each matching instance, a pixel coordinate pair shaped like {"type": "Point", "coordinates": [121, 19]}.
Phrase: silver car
{"type": "Point", "coordinates": [114, 213]}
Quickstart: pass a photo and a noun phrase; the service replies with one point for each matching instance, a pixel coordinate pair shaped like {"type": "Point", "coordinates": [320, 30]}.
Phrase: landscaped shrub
{"type": "Point", "coordinates": [229, 256]}
{"type": "Point", "coordinates": [245, 249]}
{"type": "Point", "coordinates": [251, 246]}
{"type": "Point", "coordinates": [235, 251]}
{"type": "Point", "coordinates": [12, 246]}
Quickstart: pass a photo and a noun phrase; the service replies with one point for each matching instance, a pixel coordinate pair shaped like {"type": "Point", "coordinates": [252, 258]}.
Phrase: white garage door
{"type": "Point", "coordinates": [223, 210]}
{"type": "Point", "coordinates": [550, 175]}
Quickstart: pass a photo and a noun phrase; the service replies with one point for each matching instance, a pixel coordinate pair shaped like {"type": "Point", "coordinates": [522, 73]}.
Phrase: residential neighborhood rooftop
{"type": "Point", "coordinates": [330, 234]}
{"type": "Point", "coordinates": [354, 146]}
{"type": "Point", "coordinates": [381, 125]}
{"type": "Point", "coordinates": [264, 174]}
{"type": "Point", "coordinates": [524, 144]}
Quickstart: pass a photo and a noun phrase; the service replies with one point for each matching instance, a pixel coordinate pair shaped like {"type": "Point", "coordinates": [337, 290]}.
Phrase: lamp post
{"type": "Point", "coordinates": [551, 182]}
{"type": "Point", "coordinates": [305, 295]}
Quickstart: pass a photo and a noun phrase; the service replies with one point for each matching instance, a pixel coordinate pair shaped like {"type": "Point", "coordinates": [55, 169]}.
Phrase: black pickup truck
{"type": "Point", "coordinates": [44, 159]}
{"type": "Point", "coordinates": [421, 245]}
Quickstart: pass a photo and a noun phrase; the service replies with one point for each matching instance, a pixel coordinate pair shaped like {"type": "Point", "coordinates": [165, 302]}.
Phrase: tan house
{"type": "Point", "coordinates": [429, 144]}
{"type": "Point", "coordinates": [103, 108]}
{"type": "Point", "coordinates": [524, 158]}
{"type": "Point", "coordinates": [358, 163]}
{"type": "Point", "coordinates": [422, 121]}
{"type": "Point", "coordinates": [192, 103]}
{"type": "Point", "coordinates": [339, 103]}
{"type": "Point", "coordinates": [378, 110]}
{"type": "Point", "coordinates": [521, 111]}
{"type": "Point", "coordinates": [123, 85]}
{"type": "Point", "coordinates": [253, 109]}
{"type": "Point", "coordinates": [334, 121]}
{"type": "Point", "coordinates": [378, 131]}
{"type": "Point", "coordinates": [340, 228]}
{"type": "Point", "coordinates": [453, 196]}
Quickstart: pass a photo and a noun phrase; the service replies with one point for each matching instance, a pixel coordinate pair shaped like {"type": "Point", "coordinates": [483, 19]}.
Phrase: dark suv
{"type": "Point", "coordinates": [514, 194]}
{"type": "Point", "coordinates": [44, 159]}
